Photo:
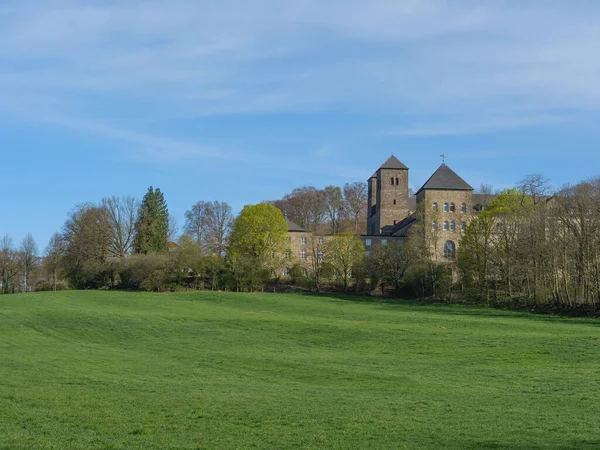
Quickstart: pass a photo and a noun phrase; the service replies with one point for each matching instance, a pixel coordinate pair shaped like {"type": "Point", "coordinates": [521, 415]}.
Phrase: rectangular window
{"type": "Point", "coordinates": [303, 255]}
{"type": "Point", "coordinates": [384, 242]}
{"type": "Point", "coordinates": [288, 254]}
{"type": "Point", "coordinates": [368, 242]}
{"type": "Point", "coordinates": [303, 240]}
{"type": "Point", "coordinates": [321, 240]}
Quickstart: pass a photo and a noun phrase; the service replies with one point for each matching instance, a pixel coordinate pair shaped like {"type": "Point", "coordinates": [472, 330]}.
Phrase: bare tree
{"type": "Point", "coordinates": [173, 228]}
{"type": "Point", "coordinates": [8, 265]}
{"type": "Point", "coordinates": [355, 203]}
{"type": "Point", "coordinates": [53, 257]}
{"type": "Point", "coordinates": [28, 259]}
{"type": "Point", "coordinates": [334, 203]}
{"type": "Point", "coordinates": [122, 214]}
{"type": "Point", "coordinates": [304, 206]}
{"type": "Point", "coordinates": [220, 223]}
{"type": "Point", "coordinates": [196, 222]}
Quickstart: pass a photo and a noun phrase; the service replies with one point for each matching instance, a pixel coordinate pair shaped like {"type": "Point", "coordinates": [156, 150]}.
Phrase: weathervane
{"type": "Point", "coordinates": [443, 158]}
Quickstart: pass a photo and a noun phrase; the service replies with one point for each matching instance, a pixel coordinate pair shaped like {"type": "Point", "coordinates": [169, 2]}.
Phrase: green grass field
{"type": "Point", "coordinates": [217, 370]}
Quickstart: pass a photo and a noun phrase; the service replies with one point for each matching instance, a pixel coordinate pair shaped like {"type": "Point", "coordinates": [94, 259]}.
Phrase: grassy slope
{"type": "Point", "coordinates": [215, 370]}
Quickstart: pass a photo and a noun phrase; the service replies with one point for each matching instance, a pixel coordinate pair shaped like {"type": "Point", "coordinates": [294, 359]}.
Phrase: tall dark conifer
{"type": "Point", "coordinates": [152, 225]}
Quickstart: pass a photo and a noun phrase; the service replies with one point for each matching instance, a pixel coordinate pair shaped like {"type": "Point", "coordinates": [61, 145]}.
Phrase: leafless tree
{"type": "Point", "coordinates": [28, 259]}
{"type": "Point", "coordinates": [334, 203]}
{"type": "Point", "coordinates": [8, 265]}
{"type": "Point", "coordinates": [121, 214]}
{"type": "Point", "coordinates": [355, 203]}
{"type": "Point", "coordinates": [53, 257]}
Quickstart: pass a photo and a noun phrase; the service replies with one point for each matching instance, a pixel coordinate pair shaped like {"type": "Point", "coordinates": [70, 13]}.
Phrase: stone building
{"type": "Point", "coordinates": [444, 204]}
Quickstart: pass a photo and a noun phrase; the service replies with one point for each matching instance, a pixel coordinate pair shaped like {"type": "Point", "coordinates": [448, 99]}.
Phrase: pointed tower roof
{"type": "Point", "coordinates": [446, 179]}
{"type": "Point", "coordinates": [393, 163]}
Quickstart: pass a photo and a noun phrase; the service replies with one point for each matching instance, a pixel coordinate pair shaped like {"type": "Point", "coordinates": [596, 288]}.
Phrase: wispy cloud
{"type": "Point", "coordinates": [473, 67]}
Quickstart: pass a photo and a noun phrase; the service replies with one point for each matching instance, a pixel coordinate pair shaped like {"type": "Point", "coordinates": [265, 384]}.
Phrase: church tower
{"type": "Point", "coordinates": [388, 197]}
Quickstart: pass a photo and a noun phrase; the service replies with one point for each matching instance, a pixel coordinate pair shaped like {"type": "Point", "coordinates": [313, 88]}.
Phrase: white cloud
{"type": "Point", "coordinates": [479, 67]}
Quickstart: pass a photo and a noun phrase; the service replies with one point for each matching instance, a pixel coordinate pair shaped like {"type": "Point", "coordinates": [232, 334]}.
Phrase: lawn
{"type": "Point", "coordinates": [120, 370]}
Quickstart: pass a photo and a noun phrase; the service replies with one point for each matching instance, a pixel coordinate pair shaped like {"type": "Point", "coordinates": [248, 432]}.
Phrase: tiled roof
{"type": "Point", "coordinates": [446, 179]}
{"type": "Point", "coordinates": [393, 163]}
{"type": "Point", "coordinates": [293, 226]}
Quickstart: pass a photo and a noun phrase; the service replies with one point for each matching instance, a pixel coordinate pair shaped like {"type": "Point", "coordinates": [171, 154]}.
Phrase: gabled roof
{"type": "Point", "coordinates": [393, 163]}
{"type": "Point", "coordinates": [446, 179]}
{"type": "Point", "coordinates": [293, 226]}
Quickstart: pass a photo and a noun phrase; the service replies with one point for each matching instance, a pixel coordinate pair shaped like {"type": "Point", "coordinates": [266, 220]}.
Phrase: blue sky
{"type": "Point", "coordinates": [245, 100]}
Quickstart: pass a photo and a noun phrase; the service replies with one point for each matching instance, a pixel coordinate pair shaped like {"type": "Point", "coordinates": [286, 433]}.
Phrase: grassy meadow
{"type": "Point", "coordinates": [122, 370]}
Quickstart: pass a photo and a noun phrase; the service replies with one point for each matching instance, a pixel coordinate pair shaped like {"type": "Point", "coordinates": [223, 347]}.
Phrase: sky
{"type": "Point", "coordinates": [244, 100]}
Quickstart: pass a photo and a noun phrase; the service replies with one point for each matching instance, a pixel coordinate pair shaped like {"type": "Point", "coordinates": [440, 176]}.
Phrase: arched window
{"type": "Point", "coordinates": [434, 225]}
{"type": "Point", "coordinates": [435, 206]}
{"type": "Point", "coordinates": [392, 181]}
{"type": "Point", "coordinates": [446, 225]}
{"type": "Point", "coordinates": [463, 227]}
{"type": "Point", "coordinates": [394, 201]}
{"type": "Point", "coordinates": [449, 250]}
{"type": "Point", "coordinates": [463, 208]}
{"type": "Point", "coordinates": [452, 207]}
{"type": "Point", "coordinates": [452, 226]}
{"type": "Point", "coordinates": [396, 181]}
{"type": "Point", "coordinates": [445, 207]}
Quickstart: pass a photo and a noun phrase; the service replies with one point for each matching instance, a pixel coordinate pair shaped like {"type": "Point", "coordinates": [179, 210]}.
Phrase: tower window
{"type": "Point", "coordinates": [445, 207]}
{"type": "Point", "coordinates": [392, 181]}
{"type": "Point", "coordinates": [452, 207]}
{"type": "Point", "coordinates": [394, 201]}
{"type": "Point", "coordinates": [463, 208]}
{"type": "Point", "coordinates": [396, 181]}
{"type": "Point", "coordinates": [394, 222]}
{"type": "Point", "coordinates": [449, 250]}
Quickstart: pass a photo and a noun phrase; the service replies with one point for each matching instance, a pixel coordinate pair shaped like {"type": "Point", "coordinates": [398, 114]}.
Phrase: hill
{"type": "Point", "coordinates": [121, 370]}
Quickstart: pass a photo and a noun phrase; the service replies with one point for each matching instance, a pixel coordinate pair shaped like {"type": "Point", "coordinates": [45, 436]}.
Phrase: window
{"type": "Point", "coordinates": [303, 255]}
{"type": "Point", "coordinates": [368, 242]}
{"type": "Point", "coordinates": [288, 254]}
{"type": "Point", "coordinates": [463, 227]}
{"type": "Point", "coordinates": [303, 239]}
{"type": "Point", "coordinates": [320, 256]}
{"type": "Point", "coordinates": [446, 225]}
{"type": "Point", "coordinates": [286, 271]}
{"type": "Point", "coordinates": [452, 207]}
{"type": "Point", "coordinates": [449, 250]}
{"type": "Point", "coordinates": [321, 240]}
{"type": "Point", "coordinates": [435, 206]}
{"type": "Point", "coordinates": [384, 242]}
{"type": "Point", "coordinates": [445, 207]}
{"type": "Point", "coordinates": [289, 239]}
{"type": "Point", "coordinates": [463, 208]}
{"type": "Point", "coordinates": [394, 222]}
{"type": "Point", "coordinates": [396, 181]}
{"type": "Point", "coordinates": [394, 201]}
{"type": "Point", "coordinates": [392, 181]}
{"type": "Point", "coordinates": [434, 225]}
{"type": "Point", "coordinates": [452, 226]}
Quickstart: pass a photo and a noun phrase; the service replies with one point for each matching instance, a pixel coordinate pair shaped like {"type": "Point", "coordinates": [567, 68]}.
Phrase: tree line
{"type": "Point", "coordinates": [530, 247]}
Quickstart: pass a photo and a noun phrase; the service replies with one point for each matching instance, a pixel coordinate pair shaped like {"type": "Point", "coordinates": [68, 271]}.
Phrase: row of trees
{"type": "Point", "coordinates": [530, 248]}
{"type": "Point", "coordinates": [329, 210]}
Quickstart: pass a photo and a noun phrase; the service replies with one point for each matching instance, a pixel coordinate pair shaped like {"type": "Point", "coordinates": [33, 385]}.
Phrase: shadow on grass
{"type": "Point", "coordinates": [459, 309]}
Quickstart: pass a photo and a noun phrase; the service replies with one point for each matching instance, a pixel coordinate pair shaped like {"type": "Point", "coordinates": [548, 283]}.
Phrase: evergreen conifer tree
{"type": "Point", "coordinates": [151, 227]}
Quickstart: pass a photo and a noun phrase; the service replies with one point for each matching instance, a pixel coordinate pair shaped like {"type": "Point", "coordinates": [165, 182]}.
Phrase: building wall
{"type": "Point", "coordinates": [391, 200]}
{"type": "Point", "coordinates": [426, 200]}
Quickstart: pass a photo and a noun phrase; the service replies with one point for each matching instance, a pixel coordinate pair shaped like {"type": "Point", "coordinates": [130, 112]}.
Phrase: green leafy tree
{"type": "Point", "coordinates": [344, 251]}
{"type": "Point", "coordinates": [152, 224]}
{"type": "Point", "coordinates": [259, 231]}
